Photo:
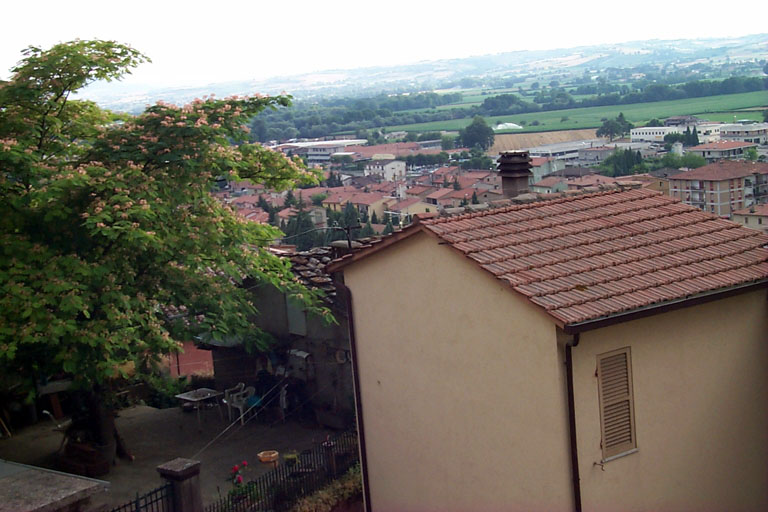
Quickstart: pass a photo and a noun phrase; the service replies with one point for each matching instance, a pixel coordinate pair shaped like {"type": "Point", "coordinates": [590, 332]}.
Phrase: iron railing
{"type": "Point", "coordinates": [294, 478]}
{"type": "Point", "coordinates": [156, 500]}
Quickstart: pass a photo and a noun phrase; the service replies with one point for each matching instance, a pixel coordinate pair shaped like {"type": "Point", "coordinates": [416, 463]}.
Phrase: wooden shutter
{"type": "Point", "coordinates": [617, 411]}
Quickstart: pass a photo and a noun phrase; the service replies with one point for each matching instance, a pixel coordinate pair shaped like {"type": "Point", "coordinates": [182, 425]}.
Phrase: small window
{"type": "Point", "coordinates": [617, 411]}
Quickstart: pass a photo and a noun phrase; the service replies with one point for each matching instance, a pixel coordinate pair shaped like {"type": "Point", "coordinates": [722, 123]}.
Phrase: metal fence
{"type": "Point", "coordinates": [157, 500]}
{"type": "Point", "coordinates": [279, 489]}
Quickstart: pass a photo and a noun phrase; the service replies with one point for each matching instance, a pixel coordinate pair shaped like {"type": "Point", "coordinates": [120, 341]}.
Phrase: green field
{"type": "Point", "coordinates": [715, 108]}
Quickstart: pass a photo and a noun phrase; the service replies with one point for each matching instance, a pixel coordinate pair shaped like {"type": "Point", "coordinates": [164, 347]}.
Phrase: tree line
{"type": "Point", "coordinates": [323, 118]}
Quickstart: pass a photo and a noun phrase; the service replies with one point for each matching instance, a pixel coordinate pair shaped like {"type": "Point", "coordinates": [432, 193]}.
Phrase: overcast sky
{"type": "Point", "coordinates": [195, 43]}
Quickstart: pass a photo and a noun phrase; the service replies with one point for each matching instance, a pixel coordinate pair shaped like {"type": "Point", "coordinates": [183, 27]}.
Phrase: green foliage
{"type": "Point", "coordinates": [613, 128]}
{"type": "Point", "coordinates": [388, 228]}
{"type": "Point", "coordinates": [337, 492]}
{"type": "Point", "coordinates": [447, 142]}
{"type": "Point", "coordinates": [300, 230]}
{"type": "Point", "coordinates": [112, 247]}
{"type": "Point", "coordinates": [478, 133]}
{"type": "Point", "coordinates": [475, 200]}
{"type": "Point", "coordinates": [163, 390]}
{"type": "Point", "coordinates": [476, 159]}
{"type": "Point", "coordinates": [622, 163]}
{"type": "Point", "coordinates": [654, 122]}
{"type": "Point", "coordinates": [673, 161]}
{"type": "Point", "coordinates": [421, 160]}
{"type": "Point", "coordinates": [374, 218]}
{"type": "Point", "coordinates": [688, 138]}
{"type": "Point", "coordinates": [317, 199]}
{"type": "Point", "coordinates": [751, 154]}
{"type": "Point", "coordinates": [367, 230]}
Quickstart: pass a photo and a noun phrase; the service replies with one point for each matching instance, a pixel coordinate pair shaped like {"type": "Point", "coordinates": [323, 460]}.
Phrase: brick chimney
{"type": "Point", "coordinates": [515, 170]}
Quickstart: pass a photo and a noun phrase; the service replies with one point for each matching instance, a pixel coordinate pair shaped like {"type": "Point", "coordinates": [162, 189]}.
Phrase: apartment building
{"type": "Point", "coordinates": [722, 187]}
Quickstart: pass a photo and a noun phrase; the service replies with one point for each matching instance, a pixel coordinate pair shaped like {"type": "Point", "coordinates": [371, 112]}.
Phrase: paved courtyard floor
{"type": "Point", "coordinates": [155, 436]}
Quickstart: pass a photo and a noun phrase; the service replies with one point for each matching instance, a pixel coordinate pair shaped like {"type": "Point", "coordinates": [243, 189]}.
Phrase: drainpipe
{"type": "Point", "coordinates": [574, 342]}
{"type": "Point", "coordinates": [358, 402]}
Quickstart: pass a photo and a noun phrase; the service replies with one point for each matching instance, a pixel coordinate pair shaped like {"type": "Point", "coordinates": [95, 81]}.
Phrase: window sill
{"type": "Point", "coordinates": [619, 455]}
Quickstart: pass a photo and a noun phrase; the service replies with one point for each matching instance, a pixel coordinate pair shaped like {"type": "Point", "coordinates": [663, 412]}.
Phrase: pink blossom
{"type": "Point", "coordinates": [239, 479]}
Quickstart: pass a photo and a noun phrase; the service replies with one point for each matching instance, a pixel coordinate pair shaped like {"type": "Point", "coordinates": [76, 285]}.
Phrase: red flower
{"type": "Point", "coordinates": [245, 463]}
{"type": "Point", "coordinates": [235, 468]}
{"type": "Point", "coordinates": [239, 479]}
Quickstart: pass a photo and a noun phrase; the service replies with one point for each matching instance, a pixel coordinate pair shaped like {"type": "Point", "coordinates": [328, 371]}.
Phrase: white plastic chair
{"type": "Point", "coordinates": [228, 393]}
{"type": "Point", "coordinates": [240, 401]}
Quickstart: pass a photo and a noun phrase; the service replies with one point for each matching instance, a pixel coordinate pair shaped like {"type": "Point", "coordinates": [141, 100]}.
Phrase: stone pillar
{"type": "Point", "coordinates": [184, 475]}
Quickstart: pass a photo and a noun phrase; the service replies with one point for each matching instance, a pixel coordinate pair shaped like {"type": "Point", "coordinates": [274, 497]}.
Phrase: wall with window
{"type": "Point", "coordinates": [700, 421]}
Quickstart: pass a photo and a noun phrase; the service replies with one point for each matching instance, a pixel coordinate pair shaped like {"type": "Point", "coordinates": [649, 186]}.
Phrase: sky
{"type": "Point", "coordinates": [196, 43]}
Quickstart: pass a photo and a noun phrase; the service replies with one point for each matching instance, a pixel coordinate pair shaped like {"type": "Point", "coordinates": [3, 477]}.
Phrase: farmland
{"type": "Point", "coordinates": [716, 108]}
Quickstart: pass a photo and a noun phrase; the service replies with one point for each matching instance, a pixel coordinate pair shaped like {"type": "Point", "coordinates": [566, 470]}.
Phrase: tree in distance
{"type": "Point", "coordinates": [477, 133]}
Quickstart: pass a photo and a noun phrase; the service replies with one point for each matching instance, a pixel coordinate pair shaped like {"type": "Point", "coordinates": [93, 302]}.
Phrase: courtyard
{"type": "Point", "coordinates": [155, 436]}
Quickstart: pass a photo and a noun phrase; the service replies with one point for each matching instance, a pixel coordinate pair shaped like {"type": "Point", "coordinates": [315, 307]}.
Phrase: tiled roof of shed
{"type": "Point", "coordinates": [592, 256]}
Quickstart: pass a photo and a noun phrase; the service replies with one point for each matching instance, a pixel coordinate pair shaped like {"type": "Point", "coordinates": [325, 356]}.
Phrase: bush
{"type": "Point", "coordinates": [163, 390]}
{"type": "Point", "coordinates": [339, 491]}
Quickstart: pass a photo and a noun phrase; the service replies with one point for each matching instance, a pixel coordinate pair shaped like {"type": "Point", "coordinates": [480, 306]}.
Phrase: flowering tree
{"type": "Point", "coordinates": [112, 247]}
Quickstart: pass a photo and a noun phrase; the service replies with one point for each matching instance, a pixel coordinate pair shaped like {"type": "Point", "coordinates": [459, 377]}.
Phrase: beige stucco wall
{"type": "Point", "coordinates": [701, 410]}
{"type": "Point", "coordinates": [462, 386]}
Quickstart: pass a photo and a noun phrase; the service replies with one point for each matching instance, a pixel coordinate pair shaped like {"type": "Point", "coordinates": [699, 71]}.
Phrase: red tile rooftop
{"type": "Point", "coordinates": [723, 170]}
{"type": "Point", "coordinates": [549, 181]}
{"type": "Point", "coordinates": [594, 256]}
{"type": "Point", "coordinates": [758, 209]}
{"type": "Point", "coordinates": [441, 192]}
{"type": "Point", "coordinates": [722, 144]}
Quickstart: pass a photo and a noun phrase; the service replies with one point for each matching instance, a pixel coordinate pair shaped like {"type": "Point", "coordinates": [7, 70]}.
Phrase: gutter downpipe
{"type": "Point", "coordinates": [574, 342]}
{"type": "Point", "coordinates": [358, 402]}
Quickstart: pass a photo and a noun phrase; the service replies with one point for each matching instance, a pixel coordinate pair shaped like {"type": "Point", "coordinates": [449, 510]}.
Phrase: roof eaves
{"type": "Point", "coordinates": [663, 307]}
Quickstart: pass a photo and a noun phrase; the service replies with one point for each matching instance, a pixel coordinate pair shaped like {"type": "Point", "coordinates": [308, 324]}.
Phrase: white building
{"type": "Point", "coordinates": [757, 132]}
{"type": "Point", "coordinates": [391, 170]}
{"type": "Point", "coordinates": [652, 133]}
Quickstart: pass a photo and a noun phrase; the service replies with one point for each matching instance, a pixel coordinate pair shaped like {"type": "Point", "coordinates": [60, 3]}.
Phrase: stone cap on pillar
{"type": "Point", "coordinates": [179, 469]}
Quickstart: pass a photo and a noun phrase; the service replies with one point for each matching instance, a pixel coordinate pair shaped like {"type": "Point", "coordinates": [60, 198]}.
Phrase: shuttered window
{"type": "Point", "coordinates": [617, 411]}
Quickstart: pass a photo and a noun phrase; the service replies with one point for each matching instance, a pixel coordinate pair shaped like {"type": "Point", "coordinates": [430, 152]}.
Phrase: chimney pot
{"type": "Point", "coordinates": [515, 170]}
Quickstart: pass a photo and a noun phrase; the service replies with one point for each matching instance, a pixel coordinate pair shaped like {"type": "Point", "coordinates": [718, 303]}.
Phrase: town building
{"type": "Point", "coordinates": [756, 132]}
{"type": "Point", "coordinates": [318, 152]}
{"type": "Point", "coordinates": [723, 149]}
{"type": "Point", "coordinates": [754, 217]}
{"type": "Point", "coordinates": [390, 170]}
{"type": "Point", "coordinates": [549, 185]}
{"type": "Point", "coordinates": [544, 165]}
{"type": "Point", "coordinates": [722, 187]}
{"type": "Point", "coordinates": [566, 151]}
{"type": "Point", "coordinates": [652, 133]}
{"type": "Point", "coordinates": [601, 351]}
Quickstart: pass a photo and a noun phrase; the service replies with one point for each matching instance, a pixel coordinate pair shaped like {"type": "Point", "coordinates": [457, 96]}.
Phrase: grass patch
{"type": "Point", "coordinates": [637, 113]}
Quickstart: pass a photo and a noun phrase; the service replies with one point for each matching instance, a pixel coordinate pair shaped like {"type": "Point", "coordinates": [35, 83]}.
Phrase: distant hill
{"type": "Point", "coordinates": [455, 73]}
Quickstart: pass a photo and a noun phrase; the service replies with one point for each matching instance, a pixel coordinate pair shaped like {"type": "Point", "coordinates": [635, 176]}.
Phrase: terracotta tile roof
{"type": "Point", "coordinates": [723, 170]}
{"type": "Point", "coordinates": [537, 161]}
{"type": "Point", "coordinates": [417, 190]}
{"type": "Point", "coordinates": [590, 180]}
{"type": "Point", "coordinates": [594, 256]}
{"type": "Point", "coordinates": [366, 198]}
{"type": "Point", "coordinates": [722, 144]}
{"type": "Point", "coordinates": [464, 193]}
{"type": "Point", "coordinates": [405, 203]}
{"type": "Point", "coordinates": [760, 210]}
{"type": "Point", "coordinates": [441, 192]}
{"type": "Point", "coordinates": [549, 181]}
